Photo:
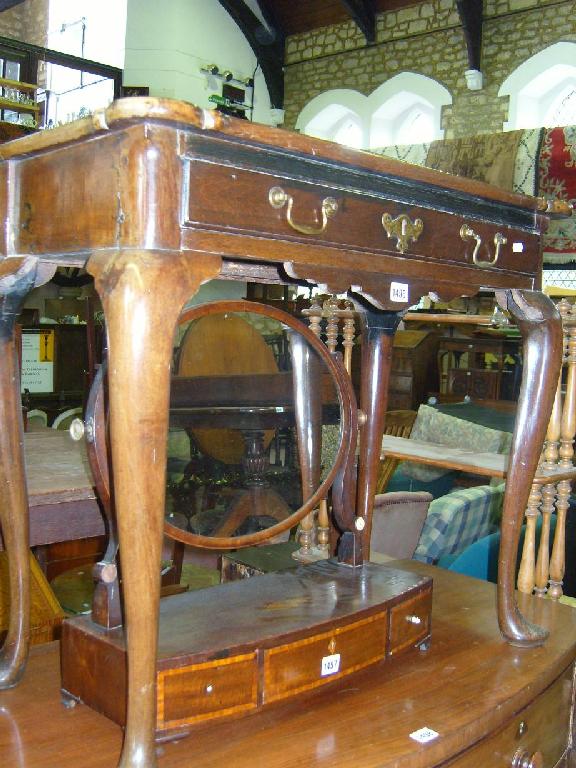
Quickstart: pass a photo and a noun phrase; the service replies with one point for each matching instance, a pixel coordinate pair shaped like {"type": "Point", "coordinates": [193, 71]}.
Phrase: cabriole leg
{"type": "Point", "coordinates": [142, 293]}
{"type": "Point", "coordinates": [541, 328]}
{"type": "Point", "coordinates": [14, 287]}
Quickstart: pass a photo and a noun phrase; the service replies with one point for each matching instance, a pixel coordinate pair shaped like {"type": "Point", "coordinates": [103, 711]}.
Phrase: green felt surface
{"type": "Point", "coordinates": [272, 557]}
{"type": "Point", "coordinates": [74, 588]}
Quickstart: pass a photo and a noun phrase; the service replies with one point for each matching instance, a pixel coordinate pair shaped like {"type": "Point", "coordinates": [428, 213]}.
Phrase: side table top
{"type": "Point", "coordinates": [485, 464]}
{"type": "Point", "coordinates": [56, 468]}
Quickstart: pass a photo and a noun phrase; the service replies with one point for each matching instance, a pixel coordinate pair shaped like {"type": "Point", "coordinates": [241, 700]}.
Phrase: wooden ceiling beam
{"type": "Point", "coordinates": [471, 17]}
{"type": "Point", "coordinates": [364, 15]}
{"type": "Point", "coordinates": [267, 43]}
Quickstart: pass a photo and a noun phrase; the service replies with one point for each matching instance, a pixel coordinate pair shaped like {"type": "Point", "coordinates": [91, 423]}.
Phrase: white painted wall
{"type": "Point", "coordinates": [89, 30]}
{"type": "Point", "coordinates": [168, 43]}
{"type": "Point", "coordinates": [105, 29]}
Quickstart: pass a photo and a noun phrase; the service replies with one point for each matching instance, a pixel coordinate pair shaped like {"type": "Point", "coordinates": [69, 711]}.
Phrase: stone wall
{"type": "Point", "coordinates": [27, 22]}
{"type": "Point", "coordinates": [428, 39]}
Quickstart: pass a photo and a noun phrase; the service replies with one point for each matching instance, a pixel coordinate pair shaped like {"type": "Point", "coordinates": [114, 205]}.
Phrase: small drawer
{"type": "Point", "coordinates": [410, 622]}
{"type": "Point", "coordinates": [205, 691]}
{"type": "Point", "coordinates": [320, 659]}
{"type": "Point", "coordinates": [539, 734]}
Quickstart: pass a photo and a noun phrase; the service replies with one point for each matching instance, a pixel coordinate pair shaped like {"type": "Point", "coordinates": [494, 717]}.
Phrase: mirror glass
{"type": "Point", "coordinates": [255, 424]}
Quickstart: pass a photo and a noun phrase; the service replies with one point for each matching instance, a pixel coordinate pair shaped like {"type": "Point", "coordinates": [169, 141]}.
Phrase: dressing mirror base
{"type": "Point", "coordinates": [229, 650]}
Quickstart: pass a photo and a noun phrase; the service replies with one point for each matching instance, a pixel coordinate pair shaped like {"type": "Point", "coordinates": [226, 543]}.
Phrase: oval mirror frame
{"type": "Point", "coordinates": [348, 424]}
{"type": "Point", "coordinates": [348, 427]}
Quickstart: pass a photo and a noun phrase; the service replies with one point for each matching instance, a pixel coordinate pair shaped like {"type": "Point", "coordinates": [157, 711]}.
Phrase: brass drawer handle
{"type": "Point", "coordinates": [523, 759]}
{"type": "Point", "coordinates": [278, 199]}
{"type": "Point", "coordinates": [467, 233]}
{"type": "Point", "coordinates": [403, 229]}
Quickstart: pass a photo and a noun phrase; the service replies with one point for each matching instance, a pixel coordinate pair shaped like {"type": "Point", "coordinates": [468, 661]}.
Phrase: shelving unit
{"type": "Point", "coordinates": [11, 102]}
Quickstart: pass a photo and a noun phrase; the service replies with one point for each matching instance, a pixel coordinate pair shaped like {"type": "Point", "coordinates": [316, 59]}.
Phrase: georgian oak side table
{"type": "Point", "coordinates": [156, 197]}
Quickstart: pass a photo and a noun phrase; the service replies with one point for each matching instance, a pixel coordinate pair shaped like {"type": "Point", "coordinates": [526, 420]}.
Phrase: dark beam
{"type": "Point", "coordinates": [362, 12]}
{"type": "Point", "coordinates": [273, 25]}
{"type": "Point", "coordinates": [5, 5]}
{"type": "Point", "coordinates": [267, 42]}
{"type": "Point", "coordinates": [471, 17]}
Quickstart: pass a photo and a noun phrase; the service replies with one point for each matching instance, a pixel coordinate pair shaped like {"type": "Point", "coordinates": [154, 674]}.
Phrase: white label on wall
{"type": "Point", "coordinates": [517, 247]}
{"type": "Point", "coordinates": [399, 292]}
{"type": "Point", "coordinates": [330, 665]}
{"type": "Point", "coordinates": [423, 735]}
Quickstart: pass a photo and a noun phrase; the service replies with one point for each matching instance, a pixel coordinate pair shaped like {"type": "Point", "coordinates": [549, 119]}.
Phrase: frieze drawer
{"type": "Point", "coordinates": [537, 737]}
{"type": "Point", "coordinates": [264, 205]}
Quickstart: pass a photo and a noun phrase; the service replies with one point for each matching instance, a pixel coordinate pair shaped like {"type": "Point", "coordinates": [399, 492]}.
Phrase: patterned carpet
{"type": "Point", "coordinates": [534, 161]}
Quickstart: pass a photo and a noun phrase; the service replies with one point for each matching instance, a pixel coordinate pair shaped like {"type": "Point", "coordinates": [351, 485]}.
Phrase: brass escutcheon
{"type": "Point", "coordinates": [403, 229]}
{"type": "Point", "coordinates": [278, 198]}
{"type": "Point", "coordinates": [467, 233]}
{"type": "Point", "coordinates": [332, 646]}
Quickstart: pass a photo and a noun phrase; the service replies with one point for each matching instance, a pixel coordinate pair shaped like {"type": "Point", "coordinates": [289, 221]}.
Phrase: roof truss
{"type": "Point", "coordinates": [267, 42]}
{"type": "Point", "coordinates": [363, 13]}
{"type": "Point", "coordinates": [471, 17]}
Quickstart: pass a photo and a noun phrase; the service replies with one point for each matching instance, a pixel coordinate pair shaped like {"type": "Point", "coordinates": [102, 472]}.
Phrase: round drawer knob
{"type": "Point", "coordinates": [414, 619]}
{"type": "Point", "coordinates": [77, 429]}
{"type": "Point", "coordinates": [523, 759]}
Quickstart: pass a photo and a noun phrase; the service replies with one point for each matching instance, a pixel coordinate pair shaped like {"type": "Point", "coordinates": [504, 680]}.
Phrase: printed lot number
{"type": "Point", "coordinates": [330, 665]}
{"type": "Point", "coordinates": [398, 292]}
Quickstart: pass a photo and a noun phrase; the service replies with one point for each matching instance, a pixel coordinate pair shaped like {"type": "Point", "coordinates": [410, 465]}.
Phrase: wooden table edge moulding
{"type": "Point", "coordinates": [156, 197]}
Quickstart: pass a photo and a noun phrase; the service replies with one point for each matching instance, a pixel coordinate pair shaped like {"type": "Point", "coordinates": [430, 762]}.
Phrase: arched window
{"type": "Point", "coordinates": [407, 109]}
{"type": "Point", "coordinates": [404, 110]}
{"type": "Point", "coordinates": [349, 132]}
{"type": "Point", "coordinates": [542, 90]}
{"type": "Point", "coordinates": [562, 111]}
{"type": "Point", "coordinates": [337, 115]}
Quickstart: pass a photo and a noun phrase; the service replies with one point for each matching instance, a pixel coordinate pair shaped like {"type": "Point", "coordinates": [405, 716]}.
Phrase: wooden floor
{"type": "Point", "coordinates": [463, 687]}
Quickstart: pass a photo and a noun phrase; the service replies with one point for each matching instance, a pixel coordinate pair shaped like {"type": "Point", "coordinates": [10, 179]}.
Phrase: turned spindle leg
{"type": "Point", "coordinates": [543, 560]}
{"type": "Point", "coordinates": [142, 293]}
{"type": "Point", "coordinates": [565, 455]}
{"type": "Point", "coordinates": [527, 570]}
{"type": "Point", "coordinates": [549, 461]}
{"type": "Point", "coordinates": [539, 323]}
{"type": "Point", "coordinates": [17, 277]}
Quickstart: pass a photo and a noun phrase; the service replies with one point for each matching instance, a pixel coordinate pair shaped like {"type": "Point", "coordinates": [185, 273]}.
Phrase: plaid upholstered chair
{"type": "Point", "coordinates": [458, 519]}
